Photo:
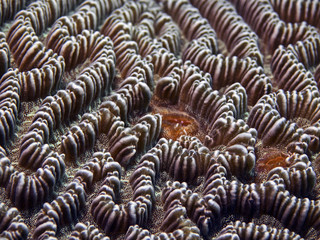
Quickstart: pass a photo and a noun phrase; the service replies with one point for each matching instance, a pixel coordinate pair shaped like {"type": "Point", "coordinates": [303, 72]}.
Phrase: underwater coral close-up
{"type": "Point", "coordinates": [160, 119]}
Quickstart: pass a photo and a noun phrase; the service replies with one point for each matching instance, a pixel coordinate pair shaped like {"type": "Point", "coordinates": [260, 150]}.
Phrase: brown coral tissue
{"type": "Point", "coordinates": [160, 119]}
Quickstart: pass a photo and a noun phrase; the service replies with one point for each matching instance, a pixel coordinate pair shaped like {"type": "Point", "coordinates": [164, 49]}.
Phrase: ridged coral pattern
{"type": "Point", "coordinates": [160, 119]}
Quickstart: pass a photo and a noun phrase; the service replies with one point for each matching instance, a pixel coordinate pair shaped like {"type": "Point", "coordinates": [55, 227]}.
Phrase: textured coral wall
{"type": "Point", "coordinates": [168, 119]}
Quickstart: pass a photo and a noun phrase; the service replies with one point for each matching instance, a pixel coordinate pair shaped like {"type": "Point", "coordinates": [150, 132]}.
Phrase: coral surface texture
{"type": "Point", "coordinates": [160, 119]}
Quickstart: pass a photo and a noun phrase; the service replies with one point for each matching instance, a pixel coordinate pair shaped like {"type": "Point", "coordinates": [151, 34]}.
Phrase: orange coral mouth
{"type": "Point", "coordinates": [272, 160]}
{"type": "Point", "coordinates": [176, 123]}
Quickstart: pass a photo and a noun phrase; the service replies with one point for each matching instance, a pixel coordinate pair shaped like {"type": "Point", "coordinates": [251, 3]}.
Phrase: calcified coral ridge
{"type": "Point", "coordinates": [168, 119]}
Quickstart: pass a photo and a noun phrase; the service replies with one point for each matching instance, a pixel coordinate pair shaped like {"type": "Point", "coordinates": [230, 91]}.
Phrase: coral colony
{"type": "Point", "coordinates": [160, 119]}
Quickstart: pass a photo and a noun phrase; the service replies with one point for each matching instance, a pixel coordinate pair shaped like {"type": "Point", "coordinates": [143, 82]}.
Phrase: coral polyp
{"type": "Point", "coordinates": [176, 124]}
{"type": "Point", "coordinates": [271, 161]}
